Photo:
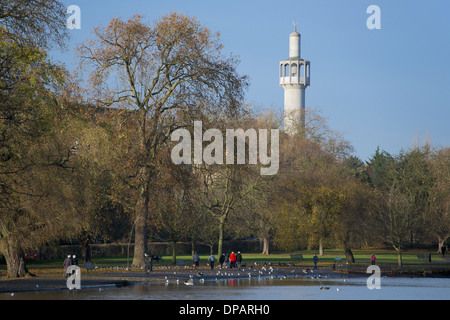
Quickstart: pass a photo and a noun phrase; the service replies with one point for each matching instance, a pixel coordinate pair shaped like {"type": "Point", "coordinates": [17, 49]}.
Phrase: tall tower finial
{"type": "Point", "coordinates": [295, 26]}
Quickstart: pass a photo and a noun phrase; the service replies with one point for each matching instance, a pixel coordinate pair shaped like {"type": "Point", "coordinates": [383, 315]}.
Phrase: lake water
{"type": "Point", "coordinates": [392, 288]}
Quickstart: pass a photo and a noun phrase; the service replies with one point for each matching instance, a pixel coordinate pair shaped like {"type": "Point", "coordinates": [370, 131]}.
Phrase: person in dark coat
{"type": "Point", "coordinates": [67, 264]}
{"type": "Point", "coordinates": [238, 260]}
{"type": "Point", "coordinates": [74, 260]}
{"type": "Point", "coordinates": [222, 260]}
{"type": "Point", "coordinates": [315, 260]}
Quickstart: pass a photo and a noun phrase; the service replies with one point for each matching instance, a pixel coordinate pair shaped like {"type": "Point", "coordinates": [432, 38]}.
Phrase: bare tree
{"type": "Point", "coordinates": [167, 73]}
{"type": "Point", "coordinates": [439, 220]}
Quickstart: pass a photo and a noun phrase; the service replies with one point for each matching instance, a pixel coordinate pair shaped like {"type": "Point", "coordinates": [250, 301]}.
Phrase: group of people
{"type": "Point", "coordinates": [231, 260]}
{"type": "Point", "coordinates": [71, 260]}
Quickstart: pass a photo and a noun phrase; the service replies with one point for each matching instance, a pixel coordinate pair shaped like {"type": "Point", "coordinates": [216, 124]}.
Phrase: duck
{"type": "Point", "coordinates": [324, 288]}
{"type": "Point", "coordinates": [189, 282]}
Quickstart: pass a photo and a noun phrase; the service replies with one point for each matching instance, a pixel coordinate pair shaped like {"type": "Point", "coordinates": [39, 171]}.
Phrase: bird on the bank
{"type": "Point", "coordinates": [189, 282]}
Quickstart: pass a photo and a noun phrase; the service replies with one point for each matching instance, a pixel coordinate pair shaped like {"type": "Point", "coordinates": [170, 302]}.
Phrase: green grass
{"type": "Point", "coordinates": [386, 257]}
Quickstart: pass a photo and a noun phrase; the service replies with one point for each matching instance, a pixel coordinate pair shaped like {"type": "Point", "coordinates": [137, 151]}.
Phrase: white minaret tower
{"type": "Point", "coordinates": [295, 76]}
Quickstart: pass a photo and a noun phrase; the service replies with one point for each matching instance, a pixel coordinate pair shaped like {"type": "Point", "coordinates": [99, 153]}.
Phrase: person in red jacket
{"type": "Point", "coordinates": [373, 258]}
{"type": "Point", "coordinates": [232, 260]}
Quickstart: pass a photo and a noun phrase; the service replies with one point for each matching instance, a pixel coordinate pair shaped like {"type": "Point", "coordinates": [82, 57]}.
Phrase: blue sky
{"type": "Point", "coordinates": [382, 88]}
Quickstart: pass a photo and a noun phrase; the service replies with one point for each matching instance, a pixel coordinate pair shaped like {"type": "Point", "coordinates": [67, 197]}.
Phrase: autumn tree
{"type": "Point", "coordinates": [34, 23]}
{"type": "Point", "coordinates": [439, 218]}
{"type": "Point", "coordinates": [224, 187]}
{"type": "Point", "coordinates": [254, 219]}
{"type": "Point", "coordinates": [401, 203]}
{"type": "Point", "coordinates": [93, 166]}
{"type": "Point", "coordinates": [310, 196]}
{"type": "Point", "coordinates": [164, 72]}
{"type": "Point", "coordinates": [174, 213]}
{"type": "Point", "coordinates": [310, 202]}
{"type": "Point", "coordinates": [36, 193]}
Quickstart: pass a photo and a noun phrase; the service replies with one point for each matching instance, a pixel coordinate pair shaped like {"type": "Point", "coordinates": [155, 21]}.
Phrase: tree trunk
{"type": "Point", "coordinates": [309, 246]}
{"type": "Point", "coordinates": [15, 261]}
{"type": "Point", "coordinates": [399, 256]}
{"type": "Point", "coordinates": [140, 237]}
{"type": "Point", "coordinates": [86, 253]}
{"type": "Point", "coordinates": [441, 242]}
{"type": "Point", "coordinates": [321, 252]}
{"type": "Point", "coordinates": [85, 250]}
{"type": "Point", "coordinates": [265, 249]}
{"type": "Point", "coordinates": [349, 255]}
{"type": "Point", "coordinates": [140, 229]}
{"type": "Point", "coordinates": [174, 252]}
{"type": "Point", "coordinates": [220, 244]}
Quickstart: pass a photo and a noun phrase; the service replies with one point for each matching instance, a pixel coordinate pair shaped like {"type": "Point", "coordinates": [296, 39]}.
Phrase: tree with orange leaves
{"type": "Point", "coordinates": [169, 73]}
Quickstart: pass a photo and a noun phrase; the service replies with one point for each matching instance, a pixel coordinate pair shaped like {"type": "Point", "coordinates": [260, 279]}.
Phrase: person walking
{"type": "Point", "coordinates": [211, 260]}
{"type": "Point", "coordinates": [373, 259]}
{"type": "Point", "coordinates": [239, 260]}
{"type": "Point", "coordinates": [222, 260]}
{"type": "Point", "coordinates": [443, 250]}
{"type": "Point", "coordinates": [232, 260]}
{"type": "Point", "coordinates": [227, 261]}
{"type": "Point", "coordinates": [196, 258]}
{"type": "Point", "coordinates": [74, 260]}
{"type": "Point", "coordinates": [67, 263]}
{"type": "Point", "coordinates": [315, 260]}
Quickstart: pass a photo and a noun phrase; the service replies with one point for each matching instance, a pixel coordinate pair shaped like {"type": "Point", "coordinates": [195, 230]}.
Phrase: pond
{"type": "Point", "coordinates": [392, 288]}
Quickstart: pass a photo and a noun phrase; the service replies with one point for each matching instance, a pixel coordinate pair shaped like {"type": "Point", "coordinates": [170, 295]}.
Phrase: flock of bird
{"type": "Point", "coordinates": [267, 271]}
{"type": "Point", "coordinates": [250, 273]}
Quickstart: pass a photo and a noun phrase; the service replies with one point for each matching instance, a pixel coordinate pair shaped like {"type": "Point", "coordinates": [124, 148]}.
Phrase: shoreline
{"type": "Point", "coordinates": [119, 278]}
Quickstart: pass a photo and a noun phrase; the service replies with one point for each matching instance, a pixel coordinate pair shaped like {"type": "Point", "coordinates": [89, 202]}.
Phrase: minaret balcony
{"type": "Point", "coordinates": [295, 72]}
{"type": "Point", "coordinates": [295, 81]}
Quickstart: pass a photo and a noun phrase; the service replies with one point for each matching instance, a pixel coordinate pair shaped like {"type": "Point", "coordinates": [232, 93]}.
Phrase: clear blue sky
{"type": "Point", "coordinates": [378, 87]}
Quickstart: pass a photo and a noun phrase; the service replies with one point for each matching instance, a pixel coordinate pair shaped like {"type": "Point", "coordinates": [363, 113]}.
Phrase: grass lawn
{"type": "Point", "coordinates": [361, 256]}
{"type": "Point", "coordinates": [384, 257]}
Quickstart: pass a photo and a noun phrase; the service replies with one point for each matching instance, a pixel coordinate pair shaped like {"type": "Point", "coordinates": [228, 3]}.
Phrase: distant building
{"type": "Point", "coordinates": [295, 76]}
